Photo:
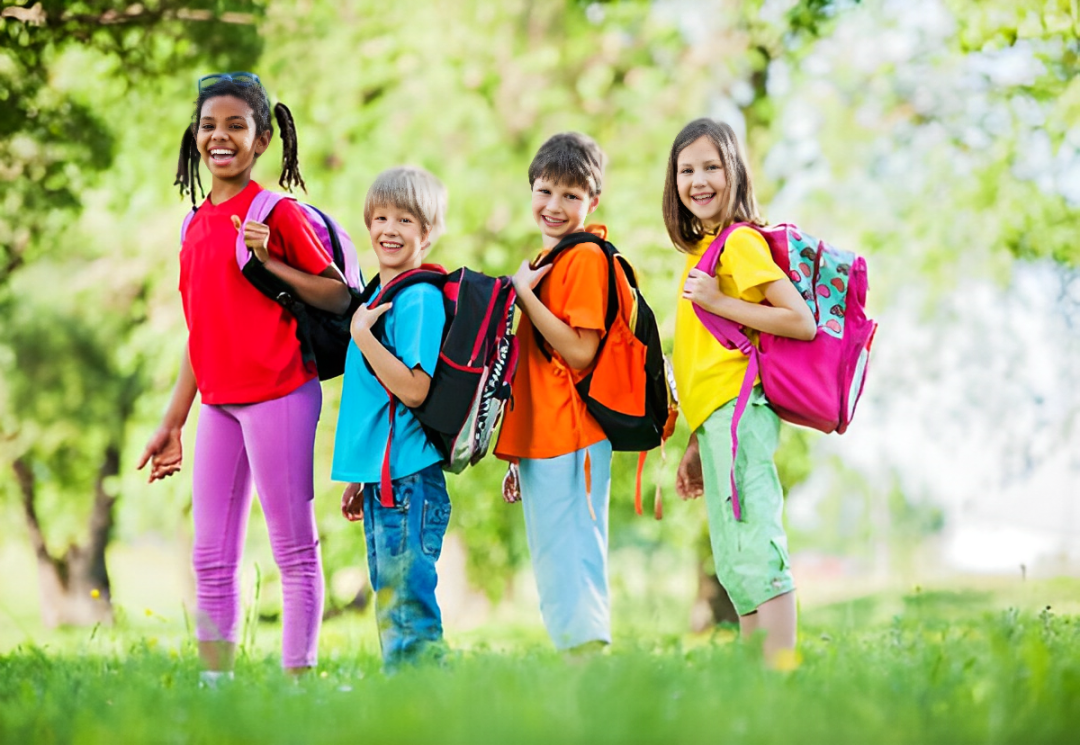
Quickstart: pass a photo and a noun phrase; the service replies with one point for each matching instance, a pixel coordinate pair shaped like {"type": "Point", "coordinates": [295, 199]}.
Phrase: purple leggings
{"type": "Point", "coordinates": [273, 443]}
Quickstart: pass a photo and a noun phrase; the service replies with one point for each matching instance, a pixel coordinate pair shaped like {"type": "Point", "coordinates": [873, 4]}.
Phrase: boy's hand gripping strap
{"type": "Point", "coordinates": [731, 335]}
{"type": "Point", "coordinates": [425, 273]}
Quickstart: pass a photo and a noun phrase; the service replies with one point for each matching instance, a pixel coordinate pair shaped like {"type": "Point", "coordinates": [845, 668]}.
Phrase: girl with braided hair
{"type": "Point", "coordinates": [260, 402]}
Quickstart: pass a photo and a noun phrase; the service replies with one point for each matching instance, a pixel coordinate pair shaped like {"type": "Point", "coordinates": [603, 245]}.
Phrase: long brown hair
{"type": "Point", "coordinates": [686, 230]}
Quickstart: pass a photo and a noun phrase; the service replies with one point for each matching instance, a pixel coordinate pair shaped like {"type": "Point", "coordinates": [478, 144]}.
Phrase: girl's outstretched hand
{"type": "Point", "coordinates": [352, 502]}
{"type": "Point", "coordinates": [511, 486]}
{"type": "Point", "coordinates": [701, 288]}
{"type": "Point", "coordinates": [256, 237]}
{"type": "Point", "coordinates": [528, 277]}
{"type": "Point", "coordinates": [688, 480]}
{"type": "Point", "coordinates": [164, 452]}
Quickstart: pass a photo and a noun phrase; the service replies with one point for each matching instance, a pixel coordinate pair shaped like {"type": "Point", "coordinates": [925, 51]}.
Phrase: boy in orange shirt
{"type": "Point", "coordinates": [560, 458]}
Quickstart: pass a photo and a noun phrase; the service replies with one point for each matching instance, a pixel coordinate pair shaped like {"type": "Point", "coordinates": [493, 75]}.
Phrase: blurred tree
{"type": "Point", "coordinates": [53, 140]}
{"type": "Point", "coordinates": [72, 375]}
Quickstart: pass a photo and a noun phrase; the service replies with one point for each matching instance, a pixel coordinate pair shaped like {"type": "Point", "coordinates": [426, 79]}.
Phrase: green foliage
{"type": "Point", "coordinates": [77, 80]}
{"type": "Point", "coordinates": [54, 138]}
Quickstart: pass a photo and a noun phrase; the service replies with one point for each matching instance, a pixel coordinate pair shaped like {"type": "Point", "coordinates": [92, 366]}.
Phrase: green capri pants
{"type": "Point", "coordinates": [751, 554]}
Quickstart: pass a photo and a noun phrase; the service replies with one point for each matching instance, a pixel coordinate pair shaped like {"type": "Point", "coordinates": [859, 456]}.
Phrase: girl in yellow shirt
{"type": "Point", "coordinates": [709, 188]}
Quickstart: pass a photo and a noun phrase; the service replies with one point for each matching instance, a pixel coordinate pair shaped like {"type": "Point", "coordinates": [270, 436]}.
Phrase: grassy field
{"type": "Point", "coordinates": [927, 666]}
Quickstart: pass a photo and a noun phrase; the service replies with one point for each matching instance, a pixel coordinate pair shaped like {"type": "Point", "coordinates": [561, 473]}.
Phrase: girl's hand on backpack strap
{"type": "Point", "coordinates": [689, 483]}
{"type": "Point", "coordinates": [164, 452]}
{"type": "Point", "coordinates": [256, 237]}
{"type": "Point", "coordinates": [527, 278]}
{"type": "Point", "coordinates": [352, 502]}
{"type": "Point", "coordinates": [702, 289]}
{"type": "Point", "coordinates": [511, 485]}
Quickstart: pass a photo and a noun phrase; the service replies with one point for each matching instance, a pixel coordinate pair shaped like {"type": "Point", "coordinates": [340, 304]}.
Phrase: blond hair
{"type": "Point", "coordinates": [414, 190]}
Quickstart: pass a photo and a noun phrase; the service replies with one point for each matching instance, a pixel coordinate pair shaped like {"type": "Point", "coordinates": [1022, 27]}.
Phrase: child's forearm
{"type": "Point", "coordinates": [777, 321]}
{"type": "Point", "coordinates": [576, 346]}
{"type": "Point", "coordinates": [408, 386]}
{"type": "Point", "coordinates": [788, 315]}
{"type": "Point", "coordinates": [327, 290]}
{"type": "Point", "coordinates": [183, 395]}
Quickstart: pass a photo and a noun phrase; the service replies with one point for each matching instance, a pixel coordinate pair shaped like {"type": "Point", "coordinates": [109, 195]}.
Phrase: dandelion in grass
{"type": "Point", "coordinates": [787, 660]}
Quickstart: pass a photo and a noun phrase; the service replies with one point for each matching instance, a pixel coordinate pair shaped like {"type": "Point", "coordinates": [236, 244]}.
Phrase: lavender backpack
{"type": "Point", "coordinates": [324, 337]}
{"type": "Point", "coordinates": [811, 383]}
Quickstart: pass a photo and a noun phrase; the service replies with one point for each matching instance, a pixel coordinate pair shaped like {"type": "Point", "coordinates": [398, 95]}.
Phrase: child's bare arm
{"type": "Point", "coordinates": [787, 315]}
{"type": "Point", "coordinates": [408, 386]}
{"type": "Point", "coordinates": [576, 346]}
{"type": "Point", "coordinates": [164, 450]}
{"type": "Point", "coordinates": [327, 290]}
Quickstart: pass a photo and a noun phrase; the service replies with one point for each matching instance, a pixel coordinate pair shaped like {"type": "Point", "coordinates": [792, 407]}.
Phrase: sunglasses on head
{"type": "Point", "coordinates": [243, 79]}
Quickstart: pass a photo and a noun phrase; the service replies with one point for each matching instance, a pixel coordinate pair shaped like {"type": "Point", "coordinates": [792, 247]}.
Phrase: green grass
{"type": "Point", "coordinates": [942, 670]}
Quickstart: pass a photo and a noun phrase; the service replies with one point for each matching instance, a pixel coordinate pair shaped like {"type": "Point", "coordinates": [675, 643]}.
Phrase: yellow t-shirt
{"type": "Point", "coordinates": [707, 375]}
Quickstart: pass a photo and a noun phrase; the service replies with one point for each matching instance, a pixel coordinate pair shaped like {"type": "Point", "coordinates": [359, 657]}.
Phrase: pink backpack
{"type": "Point", "coordinates": [812, 383]}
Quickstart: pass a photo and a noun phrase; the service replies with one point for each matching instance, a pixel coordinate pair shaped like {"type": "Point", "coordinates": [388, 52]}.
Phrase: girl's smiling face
{"type": "Point", "coordinates": [397, 238]}
{"type": "Point", "coordinates": [227, 138]}
{"type": "Point", "coordinates": [702, 182]}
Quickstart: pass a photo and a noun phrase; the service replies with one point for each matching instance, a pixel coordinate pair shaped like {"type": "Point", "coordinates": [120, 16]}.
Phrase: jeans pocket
{"type": "Point", "coordinates": [433, 526]}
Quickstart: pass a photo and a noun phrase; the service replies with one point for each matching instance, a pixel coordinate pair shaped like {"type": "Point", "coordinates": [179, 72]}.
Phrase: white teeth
{"type": "Point", "coordinates": [222, 152]}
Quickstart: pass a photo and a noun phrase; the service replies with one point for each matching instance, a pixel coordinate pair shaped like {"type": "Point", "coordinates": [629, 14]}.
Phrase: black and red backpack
{"type": "Point", "coordinates": [477, 359]}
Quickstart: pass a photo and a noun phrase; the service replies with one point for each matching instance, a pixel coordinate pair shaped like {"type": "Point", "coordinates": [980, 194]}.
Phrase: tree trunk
{"type": "Point", "coordinates": [712, 605]}
{"type": "Point", "coordinates": [75, 588]}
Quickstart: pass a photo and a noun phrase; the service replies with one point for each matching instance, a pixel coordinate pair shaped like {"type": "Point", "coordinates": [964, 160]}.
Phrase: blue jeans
{"type": "Point", "coordinates": [403, 544]}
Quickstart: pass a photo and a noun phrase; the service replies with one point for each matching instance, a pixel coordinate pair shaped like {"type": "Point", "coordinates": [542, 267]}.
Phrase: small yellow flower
{"type": "Point", "coordinates": [149, 613]}
{"type": "Point", "coordinates": [324, 674]}
{"type": "Point", "coordinates": [787, 660]}
{"type": "Point", "coordinates": [95, 593]}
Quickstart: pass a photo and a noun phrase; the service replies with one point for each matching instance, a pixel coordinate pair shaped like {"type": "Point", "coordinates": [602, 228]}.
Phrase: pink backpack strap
{"type": "Point", "coordinates": [261, 207]}
{"type": "Point", "coordinates": [731, 335]}
{"type": "Point", "coordinates": [184, 226]}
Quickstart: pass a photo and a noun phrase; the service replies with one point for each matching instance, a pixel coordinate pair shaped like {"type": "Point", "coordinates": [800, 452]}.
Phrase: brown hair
{"type": "Point", "coordinates": [686, 230]}
{"type": "Point", "coordinates": [571, 159]}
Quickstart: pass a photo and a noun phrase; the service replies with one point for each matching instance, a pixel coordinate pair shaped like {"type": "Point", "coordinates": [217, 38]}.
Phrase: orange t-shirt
{"type": "Point", "coordinates": [547, 418]}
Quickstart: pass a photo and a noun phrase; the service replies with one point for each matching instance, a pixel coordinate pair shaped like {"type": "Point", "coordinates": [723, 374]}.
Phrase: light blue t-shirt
{"type": "Point", "coordinates": [413, 334]}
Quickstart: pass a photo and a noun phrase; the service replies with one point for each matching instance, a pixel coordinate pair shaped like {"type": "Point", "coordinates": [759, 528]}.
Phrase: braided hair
{"type": "Point", "coordinates": [187, 167]}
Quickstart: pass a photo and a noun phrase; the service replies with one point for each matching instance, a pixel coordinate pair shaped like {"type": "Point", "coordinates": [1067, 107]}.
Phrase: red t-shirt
{"type": "Point", "coordinates": [243, 345]}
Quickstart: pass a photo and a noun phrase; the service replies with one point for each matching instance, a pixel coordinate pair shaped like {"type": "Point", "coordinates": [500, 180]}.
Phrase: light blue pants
{"type": "Point", "coordinates": [568, 545]}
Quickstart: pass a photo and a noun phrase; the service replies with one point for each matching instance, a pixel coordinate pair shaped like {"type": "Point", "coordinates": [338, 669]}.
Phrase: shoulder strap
{"type": "Point", "coordinates": [187, 222]}
{"type": "Point", "coordinates": [731, 335]}
{"type": "Point", "coordinates": [432, 274]}
{"type": "Point", "coordinates": [567, 243]}
{"type": "Point", "coordinates": [261, 207]}
{"type": "Point", "coordinates": [727, 332]}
